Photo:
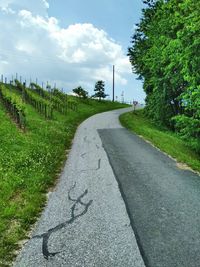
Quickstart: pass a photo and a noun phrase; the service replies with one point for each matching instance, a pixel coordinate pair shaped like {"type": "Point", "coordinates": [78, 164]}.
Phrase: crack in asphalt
{"type": "Point", "coordinates": [99, 165]}
{"type": "Point", "coordinates": [83, 155]}
{"type": "Point", "coordinates": [96, 169]}
{"type": "Point", "coordinates": [45, 236]}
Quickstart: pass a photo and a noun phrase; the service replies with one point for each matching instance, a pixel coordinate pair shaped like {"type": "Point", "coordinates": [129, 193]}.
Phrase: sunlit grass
{"type": "Point", "coordinates": [163, 139]}
{"type": "Point", "coordinates": [29, 164]}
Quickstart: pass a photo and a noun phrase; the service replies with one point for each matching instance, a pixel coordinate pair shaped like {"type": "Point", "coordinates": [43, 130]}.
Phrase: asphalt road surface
{"type": "Point", "coordinates": [163, 201]}
{"type": "Point", "coordinates": [116, 189]}
{"type": "Point", "coordinates": [85, 222]}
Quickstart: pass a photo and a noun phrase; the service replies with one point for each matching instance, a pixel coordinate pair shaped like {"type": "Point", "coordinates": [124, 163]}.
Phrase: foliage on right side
{"type": "Point", "coordinates": [165, 53]}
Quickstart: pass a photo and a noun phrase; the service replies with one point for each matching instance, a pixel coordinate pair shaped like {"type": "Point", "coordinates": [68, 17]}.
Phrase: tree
{"type": "Point", "coordinates": [81, 92]}
{"type": "Point", "coordinates": [100, 90]}
{"type": "Point", "coordinates": [165, 54]}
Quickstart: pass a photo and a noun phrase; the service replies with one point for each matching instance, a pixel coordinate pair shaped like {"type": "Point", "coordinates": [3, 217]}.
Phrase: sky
{"type": "Point", "coordinates": [70, 43]}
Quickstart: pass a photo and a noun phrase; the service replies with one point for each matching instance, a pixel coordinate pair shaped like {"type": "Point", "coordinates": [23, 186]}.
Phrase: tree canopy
{"type": "Point", "coordinates": [80, 92]}
{"type": "Point", "coordinates": [99, 90]}
{"type": "Point", "coordinates": [165, 53]}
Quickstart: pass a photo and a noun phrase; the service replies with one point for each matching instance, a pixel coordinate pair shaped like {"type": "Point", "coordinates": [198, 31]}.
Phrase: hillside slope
{"type": "Point", "coordinates": [30, 162]}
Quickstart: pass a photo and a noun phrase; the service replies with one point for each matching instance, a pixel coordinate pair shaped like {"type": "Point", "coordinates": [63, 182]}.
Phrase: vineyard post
{"type": "Point", "coordinates": [23, 91]}
{"type": "Point", "coordinates": [51, 115]}
{"type": "Point", "coordinates": [45, 108]}
{"type": "Point", "coordinates": [51, 91]}
{"type": "Point", "coordinates": [2, 78]}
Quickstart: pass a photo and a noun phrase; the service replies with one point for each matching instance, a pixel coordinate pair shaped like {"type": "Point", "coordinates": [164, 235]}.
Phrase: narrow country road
{"type": "Point", "coordinates": [116, 188]}
{"type": "Point", "coordinates": [85, 222]}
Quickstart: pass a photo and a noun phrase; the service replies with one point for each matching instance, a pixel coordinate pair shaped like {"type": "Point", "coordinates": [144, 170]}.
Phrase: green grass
{"type": "Point", "coordinates": [30, 162]}
{"type": "Point", "coordinates": [163, 139]}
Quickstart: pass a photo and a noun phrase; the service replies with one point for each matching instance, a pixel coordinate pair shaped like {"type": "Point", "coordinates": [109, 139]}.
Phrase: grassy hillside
{"type": "Point", "coordinates": [30, 162]}
{"type": "Point", "coordinates": [163, 139]}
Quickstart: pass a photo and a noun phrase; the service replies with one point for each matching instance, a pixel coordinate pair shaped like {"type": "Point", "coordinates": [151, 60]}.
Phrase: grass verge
{"type": "Point", "coordinates": [163, 139]}
{"type": "Point", "coordinates": [30, 162]}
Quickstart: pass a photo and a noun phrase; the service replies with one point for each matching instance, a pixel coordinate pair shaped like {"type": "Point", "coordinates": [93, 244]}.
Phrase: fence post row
{"type": "Point", "coordinates": [42, 107]}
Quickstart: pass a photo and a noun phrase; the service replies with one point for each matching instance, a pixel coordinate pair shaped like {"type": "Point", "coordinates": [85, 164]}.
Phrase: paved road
{"type": "Point", "coordinates": [85, 222]}
{"type": "Point", "coordinates": [163, 201]}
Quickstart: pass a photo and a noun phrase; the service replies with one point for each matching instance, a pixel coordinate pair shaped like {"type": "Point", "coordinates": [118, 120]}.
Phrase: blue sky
{"type": "Point", "coordinates": [116, 17]}
{"type": "Point", "coordinates": [70, 43]}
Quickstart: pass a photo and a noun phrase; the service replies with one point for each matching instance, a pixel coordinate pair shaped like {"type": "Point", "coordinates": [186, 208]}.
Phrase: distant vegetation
{"type": "Point", "coordinates": [36, 129]}
{"type": "Point", "coordinates": [99, 90]}
{"type": "Point", "coordinates": [79, 91]}
{"type": "Point", "coordinates": [165, 53]}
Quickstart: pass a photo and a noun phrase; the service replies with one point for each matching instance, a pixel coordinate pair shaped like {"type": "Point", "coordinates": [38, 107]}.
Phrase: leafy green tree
{"type": "Point", "coordinates": [165, 53]}
{"type": "Point", "coordinates": [100, 90]}
{"type": "Point", "coordinates": [81, 92]}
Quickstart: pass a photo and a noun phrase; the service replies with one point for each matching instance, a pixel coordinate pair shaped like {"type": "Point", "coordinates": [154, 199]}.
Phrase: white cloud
{"type": "Point", "coordinates": [46, 4]}
{"type": "Point", "coordinates": [7, 10]}
{"type": "Point", "coordinates": [38, 7]}
{"type": "Point", "coordinates": [34, 44]}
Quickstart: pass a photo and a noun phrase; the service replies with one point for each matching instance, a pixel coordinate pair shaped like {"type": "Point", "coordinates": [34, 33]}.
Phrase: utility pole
{"type": "Point", "coordinates": [113, 83]}
{"type": "Point", "coordinates": [122, 95]}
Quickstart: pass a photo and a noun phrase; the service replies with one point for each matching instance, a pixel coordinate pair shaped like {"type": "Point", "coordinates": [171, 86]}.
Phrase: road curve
{"type": "Point", "coordinates": [85, 222]}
